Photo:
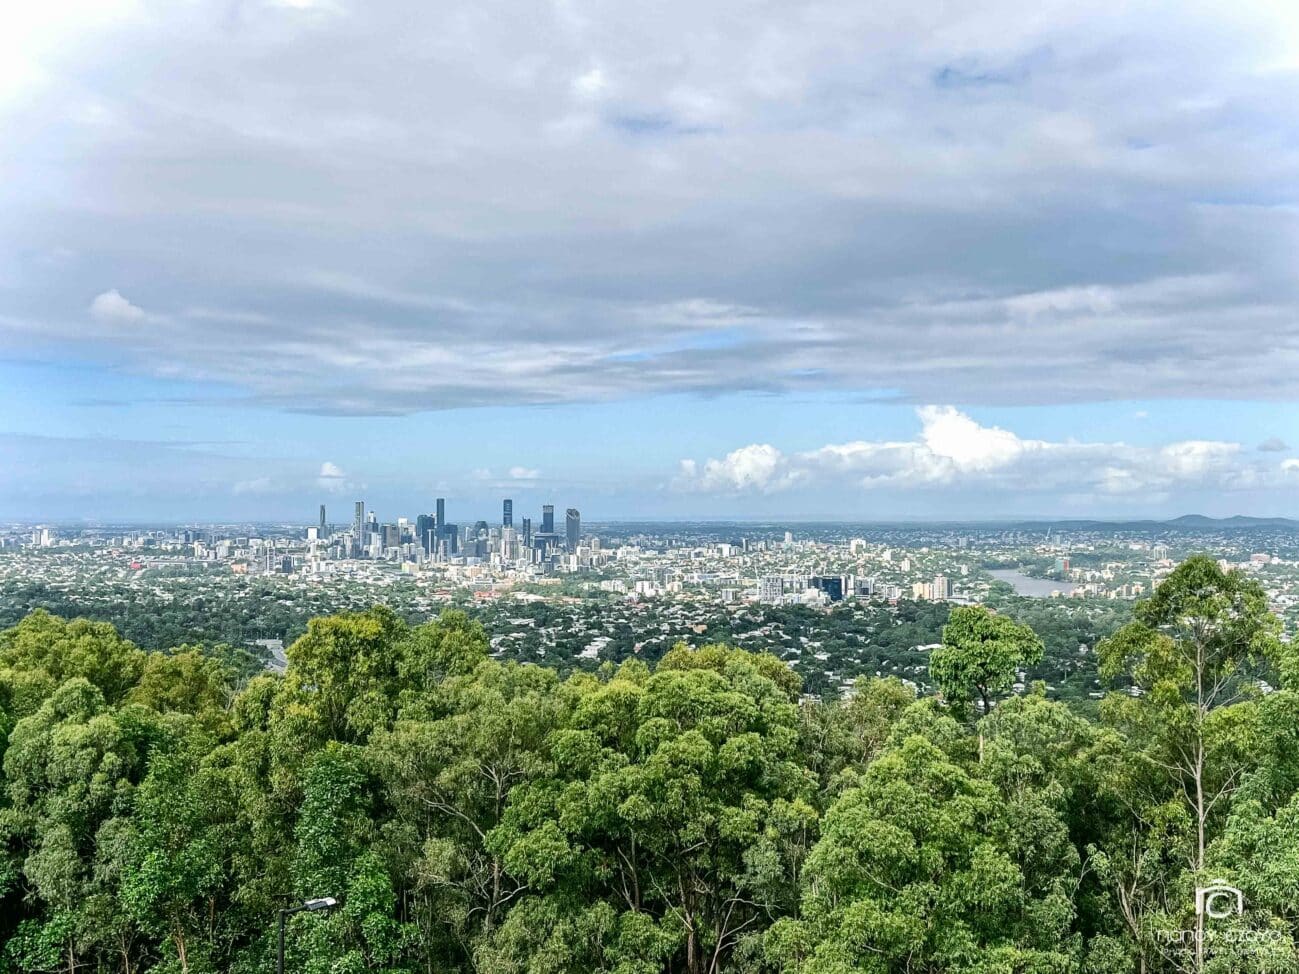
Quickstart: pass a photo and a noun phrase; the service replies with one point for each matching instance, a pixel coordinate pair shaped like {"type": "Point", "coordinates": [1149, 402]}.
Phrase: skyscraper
{"type": "Point", "coordinates": [547, 518]}
{"type": "Point", "coordinates": [573, 527]}
{"type": "Point", "coordinates": [358, 530]}
{"type": "Point", "coordinates": [527, 532]}
{"type": "Point", "coordinates": [507, 513]}
{"type": "Point", "coordinates": [322, 520]}
{"type": "Point", "coordinates": [441, 513]}
{"type": "Point", "coordinates": [424, 533]}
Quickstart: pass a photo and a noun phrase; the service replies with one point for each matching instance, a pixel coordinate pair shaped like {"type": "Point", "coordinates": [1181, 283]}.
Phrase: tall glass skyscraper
{"type": "Point", "coordinates": [424, 533]}
{"type": "Point", "coordinates": [507, 514]}
{"type": "Point", "coordinates": [573, 527]}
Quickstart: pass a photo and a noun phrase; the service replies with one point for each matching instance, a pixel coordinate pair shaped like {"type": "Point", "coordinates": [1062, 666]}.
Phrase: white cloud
{"type": "Point", "coordinates": [331, 478]}
{"type": "Point", "coordinates": [954, 436]}
{"type": "Point", "coordinates": [1193, 459]}
{"type": "Point", "coordinates": [590, 84]}
{"type": "Point", "coordinates": [952, 450]}
{"type": "Point", "coordinates": [760, 467]}
{"type": "Point", "coordinates": [111, 306]}
{"type": "Point", "coordinates": [524, 473]}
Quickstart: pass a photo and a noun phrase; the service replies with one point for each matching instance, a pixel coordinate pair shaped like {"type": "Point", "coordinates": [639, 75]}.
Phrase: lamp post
{"type": "Point", "coordinates": [313, 906]}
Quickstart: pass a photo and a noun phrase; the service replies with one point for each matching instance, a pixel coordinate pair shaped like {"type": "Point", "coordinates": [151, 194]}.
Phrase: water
{"type": "Point", "coordinates": [1037, 588]}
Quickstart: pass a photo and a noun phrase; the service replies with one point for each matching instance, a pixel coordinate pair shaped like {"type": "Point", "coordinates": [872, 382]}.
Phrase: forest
{"type": "Point", "coordinates": [696, 814]}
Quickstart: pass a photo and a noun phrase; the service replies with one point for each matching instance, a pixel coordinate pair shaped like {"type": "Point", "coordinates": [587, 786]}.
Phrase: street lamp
{"type": "Point", "coordinates": [312, 906]}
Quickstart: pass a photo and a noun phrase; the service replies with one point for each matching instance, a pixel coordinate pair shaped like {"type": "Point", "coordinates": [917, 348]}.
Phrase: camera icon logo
{"type": "Point", "coordinates": [1218, 900]}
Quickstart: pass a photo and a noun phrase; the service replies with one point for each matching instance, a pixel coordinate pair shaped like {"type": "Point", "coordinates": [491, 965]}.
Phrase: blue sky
{"type": "Point", "coordinates": [817, 260]}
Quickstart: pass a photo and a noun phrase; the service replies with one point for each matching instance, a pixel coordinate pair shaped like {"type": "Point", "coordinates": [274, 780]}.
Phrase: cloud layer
{"type": "Point", "coordinates": [952, 451]}
{"type": "Point", "coordinates": [375, 208]}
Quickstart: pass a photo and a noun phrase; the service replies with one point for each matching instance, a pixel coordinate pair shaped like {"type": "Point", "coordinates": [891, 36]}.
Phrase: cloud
{"type": "Point", "coordinates": [897, 198]}
{"type": "Point", "coordinates": [331, 478]}
{"type": "Point", "coordinates": [952, 451]}
{"type": "Point", "coordinates": [524, 473]}
{"type": "Point", "coordinates": [759, 467]}
{"type": "Point", "coordinates": [1273, 444]}
{"type": "Point", "coordinates": [111, 306]}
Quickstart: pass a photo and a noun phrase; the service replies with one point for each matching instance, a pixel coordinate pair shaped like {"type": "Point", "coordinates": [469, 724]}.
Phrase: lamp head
{"type": "Point", "coordinates": [322, 903]}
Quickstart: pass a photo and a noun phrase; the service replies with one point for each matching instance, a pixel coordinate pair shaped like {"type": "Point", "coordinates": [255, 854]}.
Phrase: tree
{"type": "Point", "coordinates": [922, 867]}
{"type": "Point", "coordinates": [71, 769]}
{"type": "Point", "coordinates": [676, 802]}
{"type": "Point", "coordinates": [1194, 653]}
{"type": "Point", "coordinates": [980, 655]}
{"type": "Point", "coordinates": [45, 651]}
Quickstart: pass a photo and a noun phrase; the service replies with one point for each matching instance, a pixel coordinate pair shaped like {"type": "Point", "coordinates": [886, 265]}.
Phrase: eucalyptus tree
{"type": "Point", "coordinates": [1193, 659]}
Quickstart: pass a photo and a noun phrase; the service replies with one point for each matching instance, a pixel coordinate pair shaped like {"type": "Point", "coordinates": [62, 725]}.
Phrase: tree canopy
{"type": "Point", "coordinates": [696, 815]}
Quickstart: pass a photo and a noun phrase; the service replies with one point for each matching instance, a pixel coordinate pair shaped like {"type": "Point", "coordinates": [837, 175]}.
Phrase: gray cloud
{"type": "Point", "coordinates": [369, 208]}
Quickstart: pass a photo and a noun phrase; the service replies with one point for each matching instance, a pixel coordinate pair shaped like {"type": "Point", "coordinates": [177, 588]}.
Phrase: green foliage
{"type": "Point", "coordinates": [685, 812]}
{"type": "Point", "coordinates": [980, 655]}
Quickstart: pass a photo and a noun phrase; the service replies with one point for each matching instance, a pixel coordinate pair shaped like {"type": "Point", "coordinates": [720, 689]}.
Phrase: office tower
{"type": "Point", "coordinates": [573, 527]}
{"type": "Point", "coordinates": [507, 513]}
{"type": "Point", "coordinates": [424, 533]}
{"type": "Point", "coordinates": [547, 518]}
{"type": "Point", "coordinates": [358, 530]}
{"type": "Point", "coordinates": [835, 586]}
{"type": "Point", "coordinates": [322, 520]}
{"type": "Point", "coordinates": [441, 513]}
{"type": "Point", "coordinates": [527, 532]}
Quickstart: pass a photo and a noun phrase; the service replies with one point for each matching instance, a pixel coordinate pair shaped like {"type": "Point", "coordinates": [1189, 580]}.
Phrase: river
{"type": "Point", "coordinates": [1037, 588]}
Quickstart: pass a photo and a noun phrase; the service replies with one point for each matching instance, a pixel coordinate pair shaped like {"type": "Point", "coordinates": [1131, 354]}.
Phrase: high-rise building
{"type": "Point", "coordinates": [358, 530]}
{"type": "Point", "coordinates": [507, 513]}
{"type": "Point", "coordinates": [527, 532]}
{"type": "Point", "coordinates": [771, 589]}
{"type": "Point", "coordinates": [424, 533]}
{"type": "Point", "coordinates": [441, 513]}
{"type": "Point", "coordinates": [547, 518]}
{"type": "Point", "coordinates": [573, 527]}
{"type": "Point", "coordinates": [322, 520]}
{"type": "Point", "coordinates": [834, 586]}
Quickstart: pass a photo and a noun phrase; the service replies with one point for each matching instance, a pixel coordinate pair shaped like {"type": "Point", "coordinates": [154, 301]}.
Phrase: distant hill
{"type": "Point", "coordinates": [1187, 522]}
{"type": "Point", "coordinates": [1237, 521]}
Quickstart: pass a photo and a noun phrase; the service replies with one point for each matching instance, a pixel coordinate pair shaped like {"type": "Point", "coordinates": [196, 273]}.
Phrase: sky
{"type": "Point", "coordinates": [905, 259]}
